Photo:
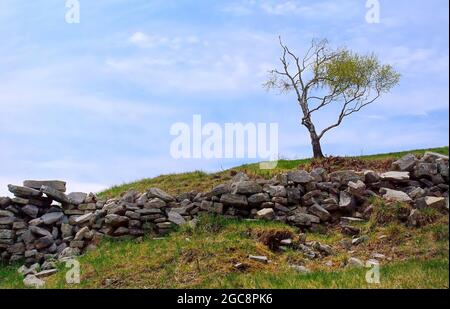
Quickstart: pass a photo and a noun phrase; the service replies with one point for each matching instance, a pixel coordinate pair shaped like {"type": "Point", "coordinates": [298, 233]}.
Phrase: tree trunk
{"type": "Point", "coordinates": [317, 148]}
{"type": "Point", "coordinates": [315, 140]}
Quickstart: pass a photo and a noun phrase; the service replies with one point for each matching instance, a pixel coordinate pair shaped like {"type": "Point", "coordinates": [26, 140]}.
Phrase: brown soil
{"type": "Point", "coordinates": [333, 164]}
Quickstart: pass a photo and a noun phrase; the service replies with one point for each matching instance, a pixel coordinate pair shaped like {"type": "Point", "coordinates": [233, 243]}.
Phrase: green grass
{"type": "Point", "coordinates": [9, 278]}
{"type": "Point", "coordinates": [412, 274]}
{"type": "Point", "coordinates": [173, 183]}
{"type": "Point", "coordinates": [200, 181]}
{"type": "Point", "coordinates": [203, 257]}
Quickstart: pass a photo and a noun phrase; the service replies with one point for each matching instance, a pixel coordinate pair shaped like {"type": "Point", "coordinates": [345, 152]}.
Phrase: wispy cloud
{"type": "Point", "coordinates": [143, 40]}
{"type": "Point", "coordinates": [304, 9]}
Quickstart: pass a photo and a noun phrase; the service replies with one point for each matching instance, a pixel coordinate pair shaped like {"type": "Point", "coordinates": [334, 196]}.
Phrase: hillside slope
{"type": "Point", "coordinates": [215, 252]}
{"type": "Point", "coordinates": [200, 181]}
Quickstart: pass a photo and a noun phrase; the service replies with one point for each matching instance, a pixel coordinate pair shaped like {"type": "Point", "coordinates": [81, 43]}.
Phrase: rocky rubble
{"type": "Point", "coordinates": [42, 223]}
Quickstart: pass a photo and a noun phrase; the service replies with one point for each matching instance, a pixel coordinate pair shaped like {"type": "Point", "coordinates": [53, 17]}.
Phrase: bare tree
{"type": "Point", "coordinates": [324, 77]}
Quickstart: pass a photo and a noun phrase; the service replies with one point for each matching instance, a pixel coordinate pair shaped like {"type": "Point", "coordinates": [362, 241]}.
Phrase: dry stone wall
{"type": "Point", "coordinates": [42, 224]}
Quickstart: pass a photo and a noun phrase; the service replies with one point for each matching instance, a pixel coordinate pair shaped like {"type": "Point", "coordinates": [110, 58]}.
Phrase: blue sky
{"type": "Point", "coordinates": [92, 103]}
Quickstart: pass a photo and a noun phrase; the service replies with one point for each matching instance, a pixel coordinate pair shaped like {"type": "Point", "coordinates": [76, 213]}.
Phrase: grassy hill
{"type": "Point", "coordinates": [205, 256]}
{"type": "Point", "coordinates": [201, 181]}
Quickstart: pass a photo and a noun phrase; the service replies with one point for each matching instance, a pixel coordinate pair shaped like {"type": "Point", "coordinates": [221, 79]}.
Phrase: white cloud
{"type": "Point", "coordinates": [139, 38]}
{"type": "Point", "coordinates": [311, 9]}
{"type": "Point", "coordinates": [419, 60]}
{"type": "Point", "coordinates": [144, 40]}
{"type": "Point", "coordinates": [242, 8]}
{"type": "Point", "coordinates": [283, 8]}
{"type": "Point", "coordinates": [220, 61]}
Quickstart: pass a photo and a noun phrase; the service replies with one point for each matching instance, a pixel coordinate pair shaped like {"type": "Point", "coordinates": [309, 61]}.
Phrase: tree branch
{"type": "Point", "coordinates": [348, 111]}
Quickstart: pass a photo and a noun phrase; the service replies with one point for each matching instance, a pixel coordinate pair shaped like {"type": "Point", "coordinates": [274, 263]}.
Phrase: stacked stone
{"type": "Point", "coordinates": [30, 222]}
{"type": "Point", "coordinates": [308, 200]}
{"type": "Point", "coordinates": [41, 223]}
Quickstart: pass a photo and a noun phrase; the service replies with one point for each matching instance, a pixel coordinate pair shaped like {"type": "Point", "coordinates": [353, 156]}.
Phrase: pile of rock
{"type": "Point", "coordinates": [43, 223]}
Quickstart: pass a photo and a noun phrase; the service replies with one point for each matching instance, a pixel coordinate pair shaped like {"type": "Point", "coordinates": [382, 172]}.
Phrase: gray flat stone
{"type": "Point", "coordinates": [52, 217]}
{"type": "Point", "coordinates": [37, 184]}
{"type": "Point", "coordinates": [176, 218]}
{"type": "Point", "coordinates": [301, 177]}
{"type": "Point", "coordinates": [395, 196]}
{"type": "Point", "coordinates": [31, 281]}
{"type": "Point", "coordinates": [39, 231]}
{"type": "Point", "coordinates": [30, 210]}
{"type": "Point", "coordinates": [267, 214]}
{"type": "Point", "coordinates": [246, 188]}
{"type": "Point", "coordinates": [46, 273]}
{"type": "Point", "coordinates": [258, 258]}
{"type": "Point", "coordinates": [55, 194]}
{"type": "Point", "coordinates": [24, 191]}
{"type": "Point", "coordinates": [395, 176]}
{"type": "Point", "coordinates": [77, 198]}
{"type": "Point", "coordinates": [155, 192]}
{"type": "Point", "coordinates": [84, 218]}
{"type": "Point", "coordinates": [234, 200]}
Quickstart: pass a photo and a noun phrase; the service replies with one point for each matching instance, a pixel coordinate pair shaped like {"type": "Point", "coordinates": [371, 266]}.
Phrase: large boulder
{"type": "Point", "coordinates": [158, 193]}
{"type": "Point", "coordinates": [405, 163]}
{"type": "Point", "coordinates": [31, 211]}
{"type": "Point", "coordinates": [40, 231]}
{"type": "Point", "coordinates": [425, 170]}
{"type": "Point", "coordinates": [258, 199]}
{"type": "Point", "coordinates": [116, 221]}
{"type": "Point", "coordinates": [299, 177]}
{"type": "Point", "coordinates": [24, 191]}
{"type": "Point", "coordinates": [303, 219]}
{"type": "Point", "coordinates": [44, 242]}
{"type": "Point", "coordinates": [267, 214]}
{"type": "Point", "coordinates": [234, 200]}
{"type": "Point", "coordinates": [357, 188]}
{"type": "Point", "coordinates": [320, 212]}
{"type": "Point", "coordinates": [275, 191]}
{"type": "Point", "coordinates": [77, 198]}
{"type": "Point", "coordinates": [52, 218]}
{"type": "Point", "coordinates": [176, 218]}
{"type": "Point", "coordinates": [371, 177]}
{"type": "Point", "coordinates": [155, 203]}
{"type": "Point", "coordinates": [246, 188]}
{"type": "Point", "coordinates": [294, 196]}
{"type": "Point", "coordinates": [344, 177]}
{"type": "Point", "coordinates": [395, 196]}
{"type": "Point", "coordinates": [219, 190]}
